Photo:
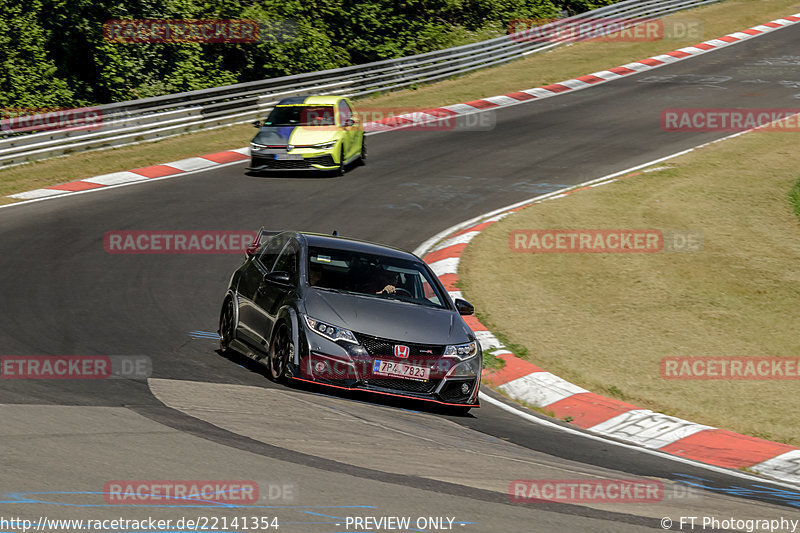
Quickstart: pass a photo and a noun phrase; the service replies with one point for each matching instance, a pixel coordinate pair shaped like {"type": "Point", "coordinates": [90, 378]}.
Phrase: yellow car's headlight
{"type": "Point", "coordinates": [324, 146]}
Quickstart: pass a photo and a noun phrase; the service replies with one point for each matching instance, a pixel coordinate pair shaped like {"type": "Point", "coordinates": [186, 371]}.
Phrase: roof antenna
{"type": "Point", "coordinates": [335, 233]}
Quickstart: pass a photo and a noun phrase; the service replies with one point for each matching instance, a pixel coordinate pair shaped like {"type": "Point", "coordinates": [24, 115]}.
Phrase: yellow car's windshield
{"type": "Point", "coordinates": [298, 115]}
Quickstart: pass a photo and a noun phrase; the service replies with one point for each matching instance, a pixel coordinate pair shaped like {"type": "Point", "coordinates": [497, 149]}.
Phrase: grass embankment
{"type": "Point", "coordinates": [536, 70]}
{"type": "Point", "coordinates": [604, 321]}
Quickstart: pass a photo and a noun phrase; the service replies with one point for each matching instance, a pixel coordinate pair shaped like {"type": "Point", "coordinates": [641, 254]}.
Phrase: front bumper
{"type": "Point", "coordinates": [268, 162]}
{"type": "Point", "coordinates": [349, 367]}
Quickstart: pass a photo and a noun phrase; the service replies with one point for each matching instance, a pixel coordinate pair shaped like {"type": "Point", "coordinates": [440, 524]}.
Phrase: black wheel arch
{"type": "Point", "coordinates": [289, 316]}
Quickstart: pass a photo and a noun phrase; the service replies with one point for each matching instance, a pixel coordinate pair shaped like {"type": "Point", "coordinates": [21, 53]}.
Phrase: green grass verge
{"type": "Point", "coordinates": [536, 70]}
{"type": "Point", "coordinates": [794, 197]}
{"type": "Point", "coordinates": [492, 363]}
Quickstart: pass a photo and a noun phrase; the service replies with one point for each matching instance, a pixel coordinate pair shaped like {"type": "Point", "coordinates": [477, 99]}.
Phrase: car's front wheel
{"type": "Point", "coordinates": [362, 160]}
{"type": "Point", "coordinates": [340, 170]}
{"type": "Point", "coordinates": [281, 351]}
{"type": "Point", "coordinates": [227, 325]}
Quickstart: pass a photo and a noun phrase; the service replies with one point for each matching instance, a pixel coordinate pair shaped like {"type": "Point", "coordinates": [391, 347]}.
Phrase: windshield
{"type": "Point", "coordinates": [373, 276]}
{"type": "Point", "coordinates": [299, 115]}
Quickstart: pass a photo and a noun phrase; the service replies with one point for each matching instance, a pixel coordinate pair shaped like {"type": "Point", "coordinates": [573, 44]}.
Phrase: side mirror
{"type": "Point", "coordinates": [251, 249]}
{"type": "Point", "coordinates": [464, 307]}
{"type": "Point", "coordinates": [279, 277]}
{"type": "Point", "coordinates": [257, 123]}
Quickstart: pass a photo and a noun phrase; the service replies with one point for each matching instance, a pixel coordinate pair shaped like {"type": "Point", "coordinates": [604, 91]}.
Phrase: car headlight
{"type": "Point", "coordinates": [256, 146]}
{"type": "Point", "coordinates": [329, 331]}
{"type": "Point", "coordinates": [462, 352]}
{"type": "Point", "coordinates": [324, 146]}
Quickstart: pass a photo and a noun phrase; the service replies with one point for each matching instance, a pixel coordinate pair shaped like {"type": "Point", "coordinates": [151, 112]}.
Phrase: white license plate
{"type": "Point", "coordinates": [400, 370]}
{"type": "Point", "coordinates": [289, 157]}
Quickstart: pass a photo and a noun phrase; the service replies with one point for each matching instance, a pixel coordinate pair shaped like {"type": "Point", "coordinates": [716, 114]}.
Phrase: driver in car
{"type": "Point", "coordinates": [385, 282]}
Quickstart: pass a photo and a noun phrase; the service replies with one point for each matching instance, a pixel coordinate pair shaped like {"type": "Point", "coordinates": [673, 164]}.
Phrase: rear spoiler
{"type": "Point", "coordinates": [258, 240]}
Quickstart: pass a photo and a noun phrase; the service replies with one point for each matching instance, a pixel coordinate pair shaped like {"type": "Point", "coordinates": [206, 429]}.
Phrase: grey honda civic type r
{"type": "Point", "coordinates": [352, 315]}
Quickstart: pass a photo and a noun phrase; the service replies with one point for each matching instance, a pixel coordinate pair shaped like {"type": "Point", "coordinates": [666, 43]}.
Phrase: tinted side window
{"type": "Point", "coordinates": [269, 251]}
{"type": "Point", "coordinates": [289, 261]}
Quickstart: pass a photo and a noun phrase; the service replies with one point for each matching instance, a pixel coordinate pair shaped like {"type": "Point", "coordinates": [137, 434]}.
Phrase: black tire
{"type": "Point", "coordinates": [362, 160]}
{"type": "Point", "coordinates": [227, 325]}
{"type": "Point", "coordinates": [280, 351]}
{"type": "Point", "coordinates": [340, 170]}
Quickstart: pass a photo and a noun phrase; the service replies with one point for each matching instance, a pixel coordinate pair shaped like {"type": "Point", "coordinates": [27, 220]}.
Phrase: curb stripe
{"type": "Point", "coordinates": [622, 71]}
{"type": "Point", "coordinates": [156, 171]}
{"type": "Point", "coordinates": [451, 251]}
{"type": "Point", "coordinates": [477, 227]}
{"type": "Point", "coordinates": [475, 325]}
{"type": "Point", "coordinates": [449, 282]}
{"type": "Point", "coordinates": [225, 157]}
{"type": "Point", "coordinates": [540, 389]}
{"type": "Point", "coordinates": [785, 466]}
{"type": "Point", "coordinates": [588, 409]}
{"type": "Point", "coordinates": [440, 112]}
{"type": "Point", "coordinates": [647, 428]}
{"type": "Point", "coordinates": [515, 368]}
{"type": "Point", "coordinates": [650, 62]}
{"type": "Point", "coordinates": [481, 104]}
{"type": "Point", "coordinates": [521, 96]}
{"type": "Point", "coordinates": [556, 88]}
{"type": "Point", "coordinates": [75, 186]}
{"type": "Point", "coordinates": [589, 78]}
{"type": "Point", "coordinates": [679, 54]}
{"type": "Point", "coordinates": [728, 448]}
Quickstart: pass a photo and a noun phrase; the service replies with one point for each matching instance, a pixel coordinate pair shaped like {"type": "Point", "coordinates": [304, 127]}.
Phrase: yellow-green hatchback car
{"type": "Point", "coordinates": [309, 133]}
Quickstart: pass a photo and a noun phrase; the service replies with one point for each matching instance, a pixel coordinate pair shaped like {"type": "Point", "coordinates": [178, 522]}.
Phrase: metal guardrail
{"type": "Point", "coordinates": [155, 118]}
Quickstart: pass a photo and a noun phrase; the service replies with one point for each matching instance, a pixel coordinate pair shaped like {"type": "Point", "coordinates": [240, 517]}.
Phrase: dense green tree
{"type": "Point", "coordinates": [56, 54]}
{"type": "Point", "coordinates": [27, 75]}
{"type": "Point", "coordinates": [573, 7]}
